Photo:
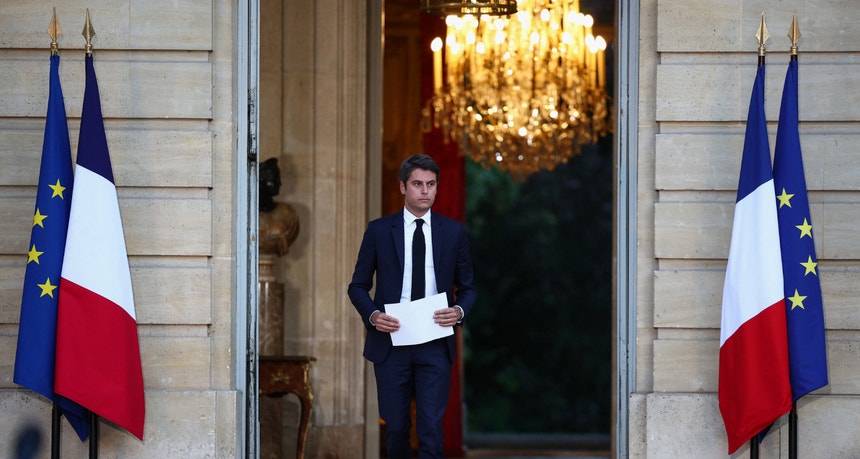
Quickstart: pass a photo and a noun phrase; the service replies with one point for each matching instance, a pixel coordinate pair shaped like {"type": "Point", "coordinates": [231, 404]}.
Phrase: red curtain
{"type": "Point", "coordinates": [450, 202]}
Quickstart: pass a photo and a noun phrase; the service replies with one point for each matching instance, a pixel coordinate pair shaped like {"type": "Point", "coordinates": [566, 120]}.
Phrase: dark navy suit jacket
{"type": "Point", "coordinates": [382, 254]}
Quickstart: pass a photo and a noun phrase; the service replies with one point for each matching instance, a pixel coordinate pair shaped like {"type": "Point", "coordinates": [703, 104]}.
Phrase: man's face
{"type": "Point", "coordinates": [419, 191]}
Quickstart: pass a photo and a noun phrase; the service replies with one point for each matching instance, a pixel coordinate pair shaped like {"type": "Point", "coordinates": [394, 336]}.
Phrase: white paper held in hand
{"type": "Point", "coordinates": [416, 320]}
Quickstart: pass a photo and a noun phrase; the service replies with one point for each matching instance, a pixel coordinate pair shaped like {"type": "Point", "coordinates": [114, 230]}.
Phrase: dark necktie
{"type": "Point", "coordinates": [418, 261]}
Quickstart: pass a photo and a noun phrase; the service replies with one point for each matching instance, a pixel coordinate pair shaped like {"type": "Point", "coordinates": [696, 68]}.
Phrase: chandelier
{"type": "Point", "coordinates": [523, 92]}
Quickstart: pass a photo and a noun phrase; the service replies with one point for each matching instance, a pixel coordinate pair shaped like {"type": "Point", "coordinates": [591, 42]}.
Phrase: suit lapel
{"type": "Point", "coordinates": [397, 236]}
{"type": "Point", "coordinates": [438, 240]}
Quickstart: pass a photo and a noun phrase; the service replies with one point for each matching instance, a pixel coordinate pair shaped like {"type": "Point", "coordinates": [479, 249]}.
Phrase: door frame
{"type": "Point", "coordinates": [246, 227]}
{"type": "Point", "coordinates": [626, 211]}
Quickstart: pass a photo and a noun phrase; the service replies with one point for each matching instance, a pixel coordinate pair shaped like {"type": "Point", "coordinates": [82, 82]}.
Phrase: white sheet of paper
{"type": "Point", "coordinates": [416, 320]}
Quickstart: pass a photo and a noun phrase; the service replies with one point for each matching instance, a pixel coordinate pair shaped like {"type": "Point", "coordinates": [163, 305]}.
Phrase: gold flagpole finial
{"type": "Point", "coordinates": [794, 36]}
{"type": "Point", "coordinates": [54, 31]}
{"type": "Point", "coordinates": [762, 36]}
{"type": "Point", "coordinates": [89, 33]}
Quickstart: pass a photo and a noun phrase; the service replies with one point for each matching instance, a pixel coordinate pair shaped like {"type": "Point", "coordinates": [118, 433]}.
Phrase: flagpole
{"type": "Point", "coordinates": [54, 31]}
{"type": "Point", "coordinates": [794, 36]}
{"type": "Point", "coordinates": [88, 34]}
{"type": "Point", "coordinates": [792, 432]}
{"type": "Point", "coordinates": [763, 36]}
{"type": "Point", "coordinates": [94, 436]}
{"type": "Point", "coordinates": [55, 431]}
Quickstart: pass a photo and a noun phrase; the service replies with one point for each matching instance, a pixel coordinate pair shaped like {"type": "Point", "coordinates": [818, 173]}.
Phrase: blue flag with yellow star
{"type": "Point", "coordinates": [37, 330]}
{"type": "Point", "coordinates": [807, 347]}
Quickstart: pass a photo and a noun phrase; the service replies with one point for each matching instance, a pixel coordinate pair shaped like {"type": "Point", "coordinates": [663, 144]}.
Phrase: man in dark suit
{"type": "Point", "coordinates": [421, 371]}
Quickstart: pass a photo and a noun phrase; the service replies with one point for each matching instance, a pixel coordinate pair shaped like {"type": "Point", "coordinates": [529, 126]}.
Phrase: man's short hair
{"type": "Point", "coordinates": [419, 161]}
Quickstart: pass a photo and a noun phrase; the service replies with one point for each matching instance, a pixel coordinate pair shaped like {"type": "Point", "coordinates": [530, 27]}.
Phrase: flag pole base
{"type": "Point", "coordinates": [792, 432]}
{"type": "Point", "coordinates": [94, 436]}
{"type": "Point", "coordinates": [754, 447]}
{"type": "Point", "coordinates": [55, 431]}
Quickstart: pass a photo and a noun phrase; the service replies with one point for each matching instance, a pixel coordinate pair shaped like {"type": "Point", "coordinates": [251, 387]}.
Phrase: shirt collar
{"type": "Point", "coordinates": [408, 218]}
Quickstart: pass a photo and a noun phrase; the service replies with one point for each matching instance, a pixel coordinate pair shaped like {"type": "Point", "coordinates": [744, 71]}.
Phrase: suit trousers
{"type": "Point", "coordinates": [421, 371]}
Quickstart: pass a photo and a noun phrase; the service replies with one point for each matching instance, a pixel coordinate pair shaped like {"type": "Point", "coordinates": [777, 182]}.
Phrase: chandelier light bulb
{"type": "Point", "coordinates": [587, 21]}
{"type": "Point", "coordinates": [436, 44]}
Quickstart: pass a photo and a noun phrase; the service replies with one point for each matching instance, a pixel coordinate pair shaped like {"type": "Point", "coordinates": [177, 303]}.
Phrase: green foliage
{"type": "Point", "coordinates": [538, 343]}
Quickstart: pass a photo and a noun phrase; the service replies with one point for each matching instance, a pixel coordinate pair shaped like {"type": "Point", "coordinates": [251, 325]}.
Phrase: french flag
{"type": "Point", "coordinates": [754, 388]}
{"type": "Point", "coordinates": [97, 355]}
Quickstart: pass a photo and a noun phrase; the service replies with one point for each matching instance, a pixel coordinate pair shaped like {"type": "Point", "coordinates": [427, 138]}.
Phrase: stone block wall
{"type": "Point", "coordinates": [166, 73]}
{"type": "Point", "coordinates": [698, 61]}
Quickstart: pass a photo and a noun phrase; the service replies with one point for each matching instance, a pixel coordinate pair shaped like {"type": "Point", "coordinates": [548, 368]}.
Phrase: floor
{"type": "Point", "coordinates": [538, 446]}
{"type": "Point", "coordinates": [535, 446]}
{"type": "Point", "coordinates": [501, 454]}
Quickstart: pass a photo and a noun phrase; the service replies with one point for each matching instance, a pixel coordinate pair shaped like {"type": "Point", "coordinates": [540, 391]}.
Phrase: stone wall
{"type": "Point", "coordinates": [698, 61]}
{"type": "Point", "coordinates": [166, 73]}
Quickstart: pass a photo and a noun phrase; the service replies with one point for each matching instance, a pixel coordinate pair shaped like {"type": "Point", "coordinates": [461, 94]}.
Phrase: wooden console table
{"type": "Point", "coordinates": [284, 374]}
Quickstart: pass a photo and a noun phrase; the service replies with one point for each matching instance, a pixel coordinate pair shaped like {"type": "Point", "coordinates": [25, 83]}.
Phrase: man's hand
{"type": "Point", "coordinates": [447, 317]}
{"type": "Point", "coordinates": [385, 323]}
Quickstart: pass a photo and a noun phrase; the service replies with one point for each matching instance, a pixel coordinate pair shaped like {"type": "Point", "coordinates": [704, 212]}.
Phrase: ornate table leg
{"type": "Point", "coordinates": [280, 375]}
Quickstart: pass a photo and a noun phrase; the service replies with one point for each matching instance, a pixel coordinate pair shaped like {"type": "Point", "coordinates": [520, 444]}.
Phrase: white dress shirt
{"type": "Point", "coordinates": [429, 273]}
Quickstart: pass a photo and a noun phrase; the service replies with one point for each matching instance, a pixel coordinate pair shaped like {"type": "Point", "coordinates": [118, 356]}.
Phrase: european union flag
{"type": "Point", "coordinates": [807, 345]}
{"type": "Point", "coordinates": [36, 350]}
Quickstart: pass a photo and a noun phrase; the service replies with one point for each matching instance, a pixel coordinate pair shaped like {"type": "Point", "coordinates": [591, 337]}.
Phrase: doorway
{"type": "Point", "coordinates": [567, 276]}
{"type": "Point", "coordinates": [538, 346]}
{"type": "Point", "coordinates": [624, 188]}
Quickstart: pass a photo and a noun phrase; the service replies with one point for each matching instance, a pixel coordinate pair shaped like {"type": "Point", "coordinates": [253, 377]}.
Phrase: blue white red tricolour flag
{"type": "Point", "coordinates": [754, 389]}
{"type": "Point", "coordinates": [807, 347]}
{"type": "Point", "coordinates": [37, 330]}
{"type": "Point", "coordinates": [98, 355]}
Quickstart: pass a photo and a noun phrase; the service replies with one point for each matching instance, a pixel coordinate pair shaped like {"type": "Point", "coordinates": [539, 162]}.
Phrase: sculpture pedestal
{"type": "Point", "coordinates": [270, 294]}
{"type": "Point", "coordinates": [270, 319]}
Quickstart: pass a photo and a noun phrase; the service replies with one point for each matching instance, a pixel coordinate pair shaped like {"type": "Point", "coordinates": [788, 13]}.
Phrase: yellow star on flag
{"type": "Point", "coordinates": [48, 289]}
{"type": "Point", "coordinates": [784, 199]}
{"type": "Point", "coordinates": [38, 218]}
{"type": "Point", "coordinates": [33, 255]}
{"type": "Point", "coordinates": [797, 300]}
{"type": "Point", "coordinates": [805, 229]}
{"type": "Point", "coordinates": [810, 266]}
{"type": "Point", "coordinates": [58, 190]}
